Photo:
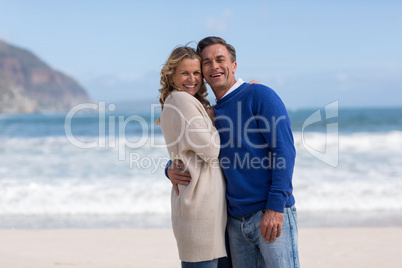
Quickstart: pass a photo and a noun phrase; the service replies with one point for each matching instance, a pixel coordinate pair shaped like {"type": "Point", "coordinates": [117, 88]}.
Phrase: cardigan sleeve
{"type": "Point", "coordinates": [192, 127]}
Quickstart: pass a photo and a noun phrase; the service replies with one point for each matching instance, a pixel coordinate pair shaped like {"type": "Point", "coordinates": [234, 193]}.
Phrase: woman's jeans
{"type": "Point", "coordinates": [249, 249]}
{"type": "Point", "coordinates": [202, 264]}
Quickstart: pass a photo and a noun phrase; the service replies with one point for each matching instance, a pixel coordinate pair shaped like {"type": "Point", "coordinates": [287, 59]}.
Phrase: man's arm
{"type": "Point", "coordinates": [280, 141]}
{"type": "Point", "coordinates": [177, 175]}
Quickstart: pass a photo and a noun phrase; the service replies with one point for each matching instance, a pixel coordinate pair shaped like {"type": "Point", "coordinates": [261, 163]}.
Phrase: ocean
{"type": "Point", "coordinates": [103, 167]}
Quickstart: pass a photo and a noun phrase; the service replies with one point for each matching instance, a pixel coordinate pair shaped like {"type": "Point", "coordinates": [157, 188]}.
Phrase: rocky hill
{"type": "Point", "coordinates": [29, 85]}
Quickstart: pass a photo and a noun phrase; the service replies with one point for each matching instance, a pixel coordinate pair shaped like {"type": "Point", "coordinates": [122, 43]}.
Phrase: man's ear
{"type": "Point", "coordinates": [234, 66]}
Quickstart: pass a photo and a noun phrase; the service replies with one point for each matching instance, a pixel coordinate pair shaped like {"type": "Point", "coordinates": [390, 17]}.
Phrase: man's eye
{"type": "Point", "coordinates": [207, 62]}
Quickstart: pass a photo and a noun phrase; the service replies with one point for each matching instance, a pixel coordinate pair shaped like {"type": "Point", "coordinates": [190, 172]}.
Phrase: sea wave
{"type": "Point", "coordinates": [51, 176]}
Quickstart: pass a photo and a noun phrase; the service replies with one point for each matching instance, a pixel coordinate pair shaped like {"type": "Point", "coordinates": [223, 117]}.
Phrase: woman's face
{"type": "Point", "coordinates": [188, 76]}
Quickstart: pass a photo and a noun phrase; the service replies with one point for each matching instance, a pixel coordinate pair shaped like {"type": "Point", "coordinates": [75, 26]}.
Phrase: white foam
{"type": "Point", "coordinates": [356, 142]}
{"type": "Point", "coordinates": [51, 176]}
{"type": "Point", "coordinates": [104, 196]}
{"type": "Point", "coordinates": [366, 179]}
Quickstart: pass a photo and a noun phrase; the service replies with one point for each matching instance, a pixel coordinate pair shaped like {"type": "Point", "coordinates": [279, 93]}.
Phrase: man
{"type": "Point", "coordinates": [257, 157]}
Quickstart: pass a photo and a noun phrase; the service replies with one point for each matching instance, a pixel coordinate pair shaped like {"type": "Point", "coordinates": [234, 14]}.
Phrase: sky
{"type": "Point", "coordinates": [311, 53]}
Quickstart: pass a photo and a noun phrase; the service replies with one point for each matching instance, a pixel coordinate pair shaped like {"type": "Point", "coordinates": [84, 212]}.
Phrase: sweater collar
{"type": "Point", "coordinates": [236, 85]}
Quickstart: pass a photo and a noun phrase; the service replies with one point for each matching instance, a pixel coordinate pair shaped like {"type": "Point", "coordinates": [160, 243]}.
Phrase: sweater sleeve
{"type": "Point", "coordinates": [268, 105]}
{"type": "Point", "coordinates": [167, 167]}
{"type": "Point", "coordinates": [193, 127]}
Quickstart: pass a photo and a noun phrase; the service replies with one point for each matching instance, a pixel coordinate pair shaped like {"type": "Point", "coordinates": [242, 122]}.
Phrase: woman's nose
{"type": "Point", "coordinates": [191, 77]}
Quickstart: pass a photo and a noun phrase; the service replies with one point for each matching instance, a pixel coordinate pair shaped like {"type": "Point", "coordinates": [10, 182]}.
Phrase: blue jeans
{"type": "Point", "coordinates": [226, 262]}
{"type": "Point", "coordinates": [201, 264]}
{"type": "Point", "coordinates": [249, 249]}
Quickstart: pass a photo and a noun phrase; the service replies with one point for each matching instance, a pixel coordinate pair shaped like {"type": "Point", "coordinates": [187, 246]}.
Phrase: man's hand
{"type": "Point", "coordinates": [178, 175]}
{"type": "Point", "coordinates": [271, 225]}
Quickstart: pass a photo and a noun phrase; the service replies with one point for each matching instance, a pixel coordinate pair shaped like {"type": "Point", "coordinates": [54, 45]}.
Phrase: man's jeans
{"type": "Point", "coordinates": [249, 249]}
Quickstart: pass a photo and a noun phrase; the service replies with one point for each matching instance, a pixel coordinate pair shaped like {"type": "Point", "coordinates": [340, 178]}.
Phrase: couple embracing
{"type": "Point", "coordinates": [232, 163]}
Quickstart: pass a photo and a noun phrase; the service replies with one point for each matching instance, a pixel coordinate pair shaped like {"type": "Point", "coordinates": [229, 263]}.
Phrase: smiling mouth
{"type": "Point", "coordinates": [216, 75]}
{"type": "Point", "coordinates": [190, 86]}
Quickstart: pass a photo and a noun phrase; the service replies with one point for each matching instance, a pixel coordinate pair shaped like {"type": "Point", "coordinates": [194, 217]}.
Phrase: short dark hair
{"type": "Point", "coordinates": [214, 40]}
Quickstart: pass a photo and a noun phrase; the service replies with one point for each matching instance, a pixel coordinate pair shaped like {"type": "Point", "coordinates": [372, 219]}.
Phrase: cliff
{"type": "Point", "coordinates": [29, 85]}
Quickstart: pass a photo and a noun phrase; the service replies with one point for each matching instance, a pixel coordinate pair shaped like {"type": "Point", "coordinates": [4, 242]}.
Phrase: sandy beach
{"type": "Point", "coordinates": [118, 248]}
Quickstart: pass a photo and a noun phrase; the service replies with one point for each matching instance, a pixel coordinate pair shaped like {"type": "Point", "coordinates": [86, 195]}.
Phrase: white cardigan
{"type": "Point", "coordinates": [199, 212]}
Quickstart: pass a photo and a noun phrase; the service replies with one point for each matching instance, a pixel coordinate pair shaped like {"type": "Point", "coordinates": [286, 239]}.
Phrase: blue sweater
{"type": "Point", "coordinates": [257, 150]}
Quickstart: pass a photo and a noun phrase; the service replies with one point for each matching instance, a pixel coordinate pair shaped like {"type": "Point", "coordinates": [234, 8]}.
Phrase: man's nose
{"type": "Point", "coordinates": [214, 65]}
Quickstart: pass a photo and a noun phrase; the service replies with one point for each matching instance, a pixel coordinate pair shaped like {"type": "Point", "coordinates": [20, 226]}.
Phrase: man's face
{"type": "Point", "coordinates": [218, 69]}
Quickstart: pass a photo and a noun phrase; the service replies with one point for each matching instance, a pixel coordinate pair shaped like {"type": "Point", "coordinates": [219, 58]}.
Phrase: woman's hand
{"type": "Point", "coordinates": [254, 82]}
{"type": "Point", "coordinates": [211, 113]}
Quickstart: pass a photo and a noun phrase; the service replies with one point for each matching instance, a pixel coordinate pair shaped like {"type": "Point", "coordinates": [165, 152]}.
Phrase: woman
{"type": "Point", "coordinates": [199, 209]}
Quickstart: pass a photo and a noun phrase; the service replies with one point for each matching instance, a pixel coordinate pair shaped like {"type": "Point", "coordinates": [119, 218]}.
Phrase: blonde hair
{"type": "Point", "coordinates": [167, 74]}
